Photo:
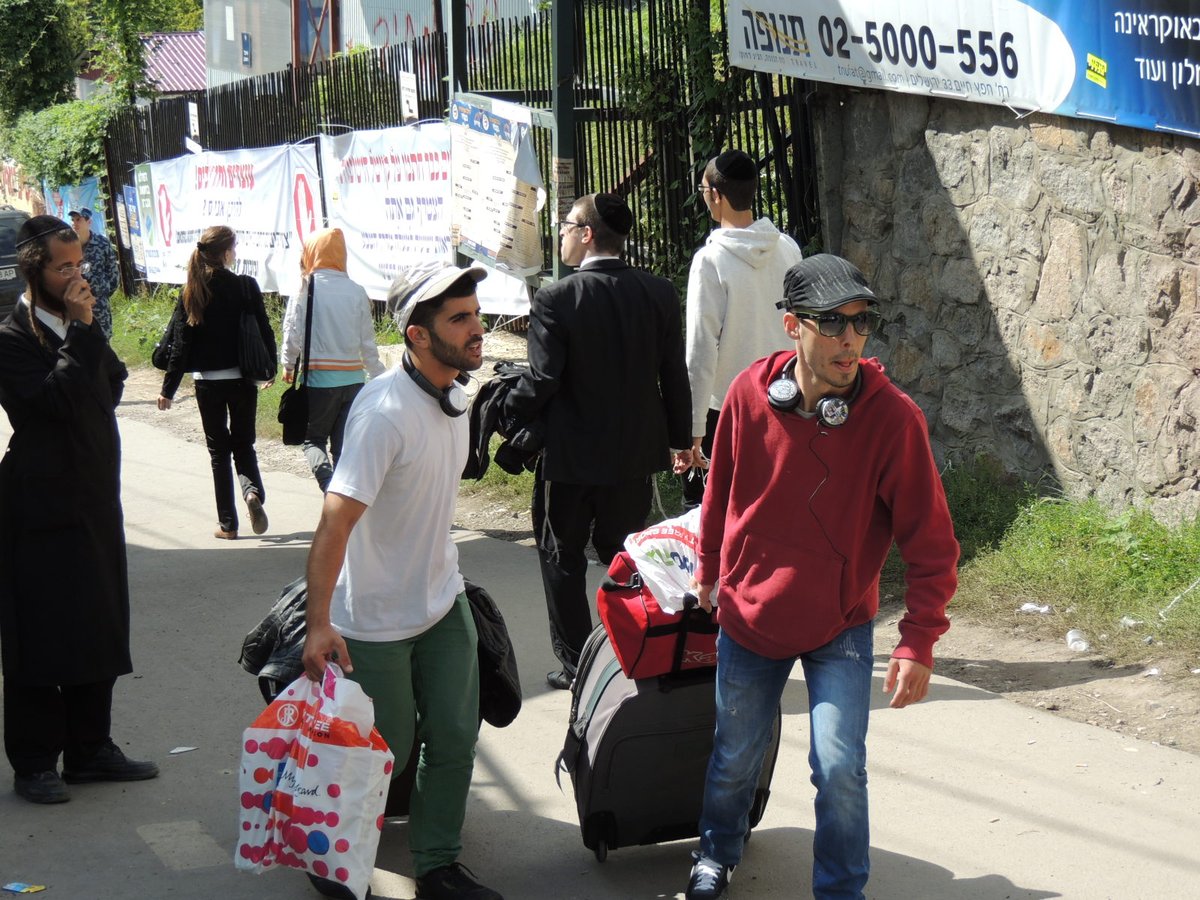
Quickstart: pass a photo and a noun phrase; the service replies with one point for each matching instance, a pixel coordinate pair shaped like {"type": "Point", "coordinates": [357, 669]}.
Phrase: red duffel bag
{"type": "Point", "coordinates": [649, 640]}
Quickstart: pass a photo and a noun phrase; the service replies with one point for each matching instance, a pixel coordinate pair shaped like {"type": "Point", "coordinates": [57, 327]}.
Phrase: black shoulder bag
{"type": "Point", "coordinates": [256, 362]}
{"type": "Point", "coordinates": [161, 355]}
{"type": "Point", "coordinates": [293, 402]}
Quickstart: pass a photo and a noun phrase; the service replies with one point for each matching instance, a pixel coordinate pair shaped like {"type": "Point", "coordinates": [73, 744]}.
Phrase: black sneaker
{"type": "Point", "coordinates": [108, 764]}
{"type": "Point", "coordinates": [258, 515]}
{"type": "Point", "coordinates": [709, 879]}
{"type": "Point", "coordinates": [41, 787]}
{"type": "Point", "coordinates": [453, 882]}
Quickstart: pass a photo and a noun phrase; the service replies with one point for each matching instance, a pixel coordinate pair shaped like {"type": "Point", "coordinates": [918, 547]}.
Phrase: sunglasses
{"type": "Point", "coordinates": [834, 324]}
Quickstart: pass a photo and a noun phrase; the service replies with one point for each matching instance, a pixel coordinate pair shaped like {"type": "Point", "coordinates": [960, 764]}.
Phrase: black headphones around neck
{"type": "Point", "coordinates": [784, 395]}
{"type": "Point", "coordinates": [453, 400]}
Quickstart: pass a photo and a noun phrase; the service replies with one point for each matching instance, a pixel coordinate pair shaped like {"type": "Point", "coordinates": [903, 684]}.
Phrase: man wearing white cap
{"type": "Point", "coordinates": [385, 595]}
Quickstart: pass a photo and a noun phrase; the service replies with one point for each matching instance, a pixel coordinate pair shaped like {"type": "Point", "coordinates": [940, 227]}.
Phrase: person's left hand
{"type": "Point", "coordinates": [907, 681]}
{"type": "Point", "coordinates": [266, 384]}
{"type": "Point", "coordinates": [681, 461]}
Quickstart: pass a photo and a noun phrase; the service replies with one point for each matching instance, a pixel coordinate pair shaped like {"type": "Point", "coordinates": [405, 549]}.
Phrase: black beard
{"type": "Point", "coordinates": [51, 303]}
{"type": "Point", "coordinates": [449, 355]}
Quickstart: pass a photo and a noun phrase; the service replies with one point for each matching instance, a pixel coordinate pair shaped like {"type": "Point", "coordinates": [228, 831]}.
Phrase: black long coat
{"type": "Point", "coordinates": [607, 375]}
{"type": "Point", "coordinates": [64, 586]}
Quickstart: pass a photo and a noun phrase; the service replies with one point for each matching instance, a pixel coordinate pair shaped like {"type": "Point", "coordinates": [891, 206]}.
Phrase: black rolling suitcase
{"type": "Point", "coordinates": [637, 751]}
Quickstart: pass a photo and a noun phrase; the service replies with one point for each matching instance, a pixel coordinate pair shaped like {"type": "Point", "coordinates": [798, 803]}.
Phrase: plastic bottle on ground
{"type": "Point", "coordinates": [1077, 641]}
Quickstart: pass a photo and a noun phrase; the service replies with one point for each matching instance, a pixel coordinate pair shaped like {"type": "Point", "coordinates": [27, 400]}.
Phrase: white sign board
{"type": "Point", "coordinates": [269, 197]}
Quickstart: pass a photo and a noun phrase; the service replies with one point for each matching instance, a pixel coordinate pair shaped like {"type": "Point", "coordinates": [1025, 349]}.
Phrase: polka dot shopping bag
{"type": "Point", "coordinates": [313, 783]}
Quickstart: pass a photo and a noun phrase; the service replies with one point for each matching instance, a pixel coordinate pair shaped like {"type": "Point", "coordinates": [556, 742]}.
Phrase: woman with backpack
{"type": "Point", "coordinates": [205, 341]}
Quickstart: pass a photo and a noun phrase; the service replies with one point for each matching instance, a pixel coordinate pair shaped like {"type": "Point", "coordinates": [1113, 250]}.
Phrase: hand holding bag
{"type": "Point", "coordinates": [314, 782]}
{"type": "Point", "coordinates": [255, 360]}
{"type": "Point", "coordinates": [293, 402]}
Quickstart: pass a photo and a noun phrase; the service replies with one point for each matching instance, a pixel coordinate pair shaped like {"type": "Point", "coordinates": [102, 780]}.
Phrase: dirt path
{"type": "Point", "coordinates": [1156, 700]}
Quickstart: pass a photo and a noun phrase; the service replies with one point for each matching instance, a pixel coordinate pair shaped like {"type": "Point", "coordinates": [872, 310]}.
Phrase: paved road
{"type": "Point", "coordinates": [973, 798]}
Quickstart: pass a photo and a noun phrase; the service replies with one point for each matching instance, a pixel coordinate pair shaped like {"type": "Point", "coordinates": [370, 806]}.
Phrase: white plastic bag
{"type": "Point", "coordinates": [665, 556]}
{"type": "Point", "coordinates": [314, 780]}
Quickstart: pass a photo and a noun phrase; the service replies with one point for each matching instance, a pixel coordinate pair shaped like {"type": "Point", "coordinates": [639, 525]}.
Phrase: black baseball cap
{"type": "Point", "coordinates": [824, 282]}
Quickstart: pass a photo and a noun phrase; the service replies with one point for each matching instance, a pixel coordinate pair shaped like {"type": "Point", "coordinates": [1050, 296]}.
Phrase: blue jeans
{"type": "Point", "coordinates": [749, 688]}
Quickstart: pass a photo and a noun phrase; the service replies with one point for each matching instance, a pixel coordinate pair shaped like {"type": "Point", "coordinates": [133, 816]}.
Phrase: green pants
{"type": "Point", "coordinates": [429, 686]}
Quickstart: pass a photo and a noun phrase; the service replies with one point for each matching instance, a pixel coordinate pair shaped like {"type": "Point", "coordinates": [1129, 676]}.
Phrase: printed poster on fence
{"type": "Point", "coordinates": [1131, 62]}
{"type": "Point", "coordinates": [496, 188]}
{"type": "Point", "coordinates": [269, 197]}
{"type": "Point", "coordinates": [389, 192]}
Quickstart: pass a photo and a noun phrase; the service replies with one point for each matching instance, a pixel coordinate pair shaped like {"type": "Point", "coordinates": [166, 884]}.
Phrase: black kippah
{"type": "Point", "coordinates": [614, 212]}
{"type": "Point", "coordinates": [736, 166]}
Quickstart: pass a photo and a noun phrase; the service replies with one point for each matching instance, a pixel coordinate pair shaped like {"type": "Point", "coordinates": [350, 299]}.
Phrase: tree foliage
{"type": "Point", "coordinates": [63, 143]}
{"type": "Point", "coordinates": [38, 55]}
{"type": "Point", "coordinates": [113, 30]}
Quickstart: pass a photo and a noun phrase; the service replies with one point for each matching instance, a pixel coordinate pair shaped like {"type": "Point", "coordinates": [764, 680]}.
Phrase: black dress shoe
{"type": "Point", "coordinates": [335, 890]}
{"type": "Point", "coordinates": [559, 680]}
{"type": "Point", "coordinates": [41, 787]}
{"type": "Point", "coordinates": [108, 764]}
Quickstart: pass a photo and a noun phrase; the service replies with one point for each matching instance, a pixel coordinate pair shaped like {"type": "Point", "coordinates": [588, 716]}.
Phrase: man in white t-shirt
{"type": "Point", "coordinates": [385, 596]}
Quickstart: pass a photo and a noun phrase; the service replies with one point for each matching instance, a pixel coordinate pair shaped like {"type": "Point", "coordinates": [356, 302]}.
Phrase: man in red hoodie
{"type": "Point", "coordinates": [819, 463]}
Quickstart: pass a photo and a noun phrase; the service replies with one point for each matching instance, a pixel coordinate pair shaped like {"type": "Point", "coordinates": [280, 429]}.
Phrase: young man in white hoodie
{"type": "Point", "coordinates": [732, 288]}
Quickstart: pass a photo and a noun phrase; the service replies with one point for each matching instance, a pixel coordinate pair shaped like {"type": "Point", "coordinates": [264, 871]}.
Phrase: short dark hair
{"type": "Point", "coordinates": [606, 238]}
{"type": "Point", "coordinates": [426, 311]}
{"type": "Point", "coordinates": [735, 177]}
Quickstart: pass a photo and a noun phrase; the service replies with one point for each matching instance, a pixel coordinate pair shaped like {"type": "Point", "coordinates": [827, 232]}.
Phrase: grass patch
{"type": "Point", "coordinates": [1099, 571]}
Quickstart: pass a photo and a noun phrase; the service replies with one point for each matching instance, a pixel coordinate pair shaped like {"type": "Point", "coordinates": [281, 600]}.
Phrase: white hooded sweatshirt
{"type": "Point", "coordinates": [735, 280]}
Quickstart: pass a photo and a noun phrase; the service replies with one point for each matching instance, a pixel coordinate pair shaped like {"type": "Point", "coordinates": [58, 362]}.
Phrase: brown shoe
{"type": "Point", "coordinates": [225, 535]}
{"type": "Point", "coordinates": [258, 515]}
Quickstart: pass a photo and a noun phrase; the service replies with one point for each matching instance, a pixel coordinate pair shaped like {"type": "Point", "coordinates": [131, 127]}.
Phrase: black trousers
{"type": "Point", "coordinates": [694, 479]}
{"type": "Point", "coordinates": [43, 721]}
{"type": "Point", "coordinates": [565, 516]}
{"type": "Point", "coordinates": [227, 411]}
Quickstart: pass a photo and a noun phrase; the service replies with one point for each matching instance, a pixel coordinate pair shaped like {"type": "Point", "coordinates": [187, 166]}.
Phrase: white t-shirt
{"type": "Point", "coordinates": [403, 458]}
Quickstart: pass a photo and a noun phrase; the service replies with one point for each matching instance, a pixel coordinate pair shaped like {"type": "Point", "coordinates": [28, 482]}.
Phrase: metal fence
{"type": "Point", "coordinates": [655, 99]}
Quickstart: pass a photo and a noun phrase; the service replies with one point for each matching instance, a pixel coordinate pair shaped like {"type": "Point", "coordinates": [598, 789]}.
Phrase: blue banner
{"type": "Point", "coordinates": [1133, 63]}
{"type": "Point", "coordinates": [62, 199]}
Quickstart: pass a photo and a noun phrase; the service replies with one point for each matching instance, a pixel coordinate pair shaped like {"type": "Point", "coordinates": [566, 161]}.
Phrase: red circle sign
{"type": "Point", "coordinates": [164, 215]}
{"type": "Point", "coordinates": [306, 212]}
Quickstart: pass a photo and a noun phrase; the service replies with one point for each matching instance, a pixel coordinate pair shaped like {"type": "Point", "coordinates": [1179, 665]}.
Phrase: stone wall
{"type": "Point", "coordinates": [1041, 284]}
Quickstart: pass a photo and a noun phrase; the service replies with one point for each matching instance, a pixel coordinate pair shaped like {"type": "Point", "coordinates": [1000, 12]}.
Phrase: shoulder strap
{"type": "Point", "coordinates": [308, 314]}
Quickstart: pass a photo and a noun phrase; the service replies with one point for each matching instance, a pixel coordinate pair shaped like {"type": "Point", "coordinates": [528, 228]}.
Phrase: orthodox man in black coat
{"type": "Point", "coordinates": [608, 381]}
{"type": "Point", "coordinates": [64, 590]}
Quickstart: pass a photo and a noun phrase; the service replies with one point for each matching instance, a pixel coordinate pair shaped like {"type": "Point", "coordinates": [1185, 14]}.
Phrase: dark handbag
{"type": "Point", "coordinates": [499, 683]}
{"type": "Point", "coordinates": [161, 355]}
{"type": "Point", "coordinates": [293, 414]}
{"type": "Point", "coordinates": [255, 361]}
{"type": "Point", "coordinates": [293, 402]}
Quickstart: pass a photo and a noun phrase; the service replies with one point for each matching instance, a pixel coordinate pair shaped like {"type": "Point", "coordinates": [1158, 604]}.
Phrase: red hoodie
{"type": "Point", "coordinates": [799, 517]}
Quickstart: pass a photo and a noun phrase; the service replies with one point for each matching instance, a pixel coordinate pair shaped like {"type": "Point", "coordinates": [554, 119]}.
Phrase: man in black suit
{"type": "Point", "coordinates": [608, 379]}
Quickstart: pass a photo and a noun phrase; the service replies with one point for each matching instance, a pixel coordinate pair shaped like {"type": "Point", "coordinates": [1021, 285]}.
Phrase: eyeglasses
{"type": "Point", "coordinates": [833, 324]}
{"type": "Point", "coordinates": [71, 271]}
{"type": "Point", "coordinates": [703, 188]}
{"type": "Point", "coordinates": [568, 224]}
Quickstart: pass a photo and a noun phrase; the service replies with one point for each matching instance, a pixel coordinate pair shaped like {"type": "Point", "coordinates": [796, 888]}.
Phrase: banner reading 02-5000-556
{"type": "Point", "coordinates": [1133, 63]}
